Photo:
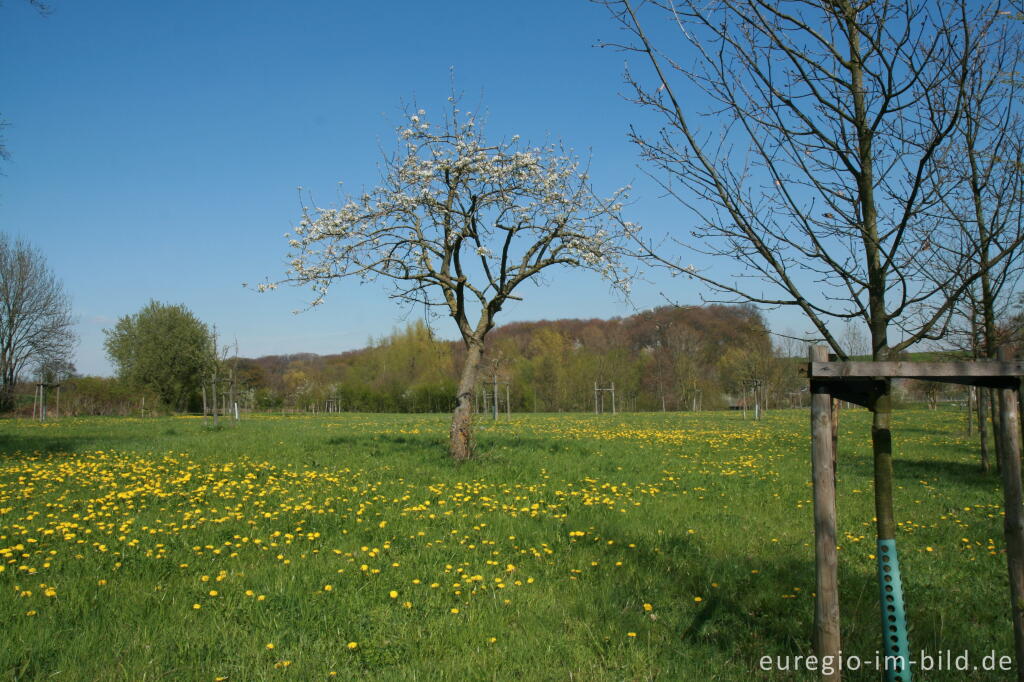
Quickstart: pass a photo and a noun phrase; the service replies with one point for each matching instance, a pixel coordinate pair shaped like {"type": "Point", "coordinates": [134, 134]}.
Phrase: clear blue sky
{"type": "Point", "coordinates": [156, 147]}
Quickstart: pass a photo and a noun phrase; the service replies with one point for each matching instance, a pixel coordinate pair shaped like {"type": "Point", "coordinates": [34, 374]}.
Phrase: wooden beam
{"type": "Point", "coordinates": [917, 370]}
{"type": "Point", "coordinates": [856, 390]}
{"type": "Point", "coordinates": [826, 556]}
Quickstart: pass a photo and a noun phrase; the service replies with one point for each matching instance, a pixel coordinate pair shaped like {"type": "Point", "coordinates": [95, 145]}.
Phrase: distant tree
{"type": "Point", "coordinates": [163, 348]}
{"type": "Point", "coordinates": [36, 326]}
{"type": "Point", "coordinates": [460, 223]}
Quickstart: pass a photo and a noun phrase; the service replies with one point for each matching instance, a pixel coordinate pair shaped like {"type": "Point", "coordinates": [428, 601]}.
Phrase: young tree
{"type": "Point", "coordinates": [163, 348]}
{"type": "Point", "coordinates": [986, 206]}
{"type": "Point", "coordinates": [461, 223]}
{"type": "Point", "coordinates": [823, 180]}
{"type": "Point", "coordinates": [36, 326]}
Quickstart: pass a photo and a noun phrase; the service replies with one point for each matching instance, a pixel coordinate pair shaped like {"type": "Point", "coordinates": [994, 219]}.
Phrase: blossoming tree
{"type": "Point", "coordinates": [460, 224]}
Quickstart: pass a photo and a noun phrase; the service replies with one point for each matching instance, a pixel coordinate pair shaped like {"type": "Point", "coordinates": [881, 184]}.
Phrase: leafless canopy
{"type": "Point", "coordinates": [36, 326]}
{"type": "Point", "coordinates": [822, 172]}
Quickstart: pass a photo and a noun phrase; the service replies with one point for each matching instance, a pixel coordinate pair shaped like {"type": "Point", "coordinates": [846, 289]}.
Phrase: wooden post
{"type": "Point", "coordinates": [494, 390]}
{"type": "Point", "coordinates": [508, 404]}
{"type": "Point", "coordinates": [1013, 498]}
{"type": "Point", "coordinates": [595, 398]}
{"type": "Point", "coordinates": [56, 411]}
{"type": "Point", "coordinates": [613, 397]}
{"type": "Point", "coordinates": [826, 603]}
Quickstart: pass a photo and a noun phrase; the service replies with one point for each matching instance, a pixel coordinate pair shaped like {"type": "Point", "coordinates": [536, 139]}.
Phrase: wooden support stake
{"type": "Point", "coordinates": [826, 604]}
{"type": "Point", "coordinates": [1013, 498]}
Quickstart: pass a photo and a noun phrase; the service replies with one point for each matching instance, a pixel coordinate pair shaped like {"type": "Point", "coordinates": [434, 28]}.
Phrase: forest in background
{"type": "Point", "coordinates": [669, 358]}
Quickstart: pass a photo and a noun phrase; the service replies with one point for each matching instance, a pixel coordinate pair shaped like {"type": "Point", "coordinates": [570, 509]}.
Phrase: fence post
{"type": "Point", "coordinates": [1013, 522]}
{"type": "Point", "coordinates": [826, 603]}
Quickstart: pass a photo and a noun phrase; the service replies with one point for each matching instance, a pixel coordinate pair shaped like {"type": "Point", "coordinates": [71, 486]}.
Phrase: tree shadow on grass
{"type": "Point", "coordinates": [764, 605]}
{"type": "Point", "coordinates": [964, 473]}
{"type": "Point", "coordinates": [909, 470]}
{"type": "Point", "coordinates": [19, 446]}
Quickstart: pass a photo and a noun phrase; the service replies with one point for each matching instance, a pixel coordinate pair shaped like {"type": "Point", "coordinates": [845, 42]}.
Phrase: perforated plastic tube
{"type": "Point", "coordinates": [894, 619]}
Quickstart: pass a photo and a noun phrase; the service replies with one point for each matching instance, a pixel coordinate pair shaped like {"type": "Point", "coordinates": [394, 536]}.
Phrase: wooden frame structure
{"type": "Point", "coordinates": [495, 397]}
{"type": "Point", "coordinates": [39, 400]}
{"type": "Point", "coordinates": [599, 391]}
{"type": "Point", "coordinates": [859, 382]}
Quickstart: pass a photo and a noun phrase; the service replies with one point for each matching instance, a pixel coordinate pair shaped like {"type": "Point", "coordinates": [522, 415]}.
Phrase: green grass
{"type": "Point", "coordinates": [549, 546]}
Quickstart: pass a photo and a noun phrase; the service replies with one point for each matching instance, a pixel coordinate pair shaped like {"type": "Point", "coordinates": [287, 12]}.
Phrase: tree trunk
{"type": "Point", "coordinates": [834, 425]}
{"type": "Point", "coordinates": [460, 443]}
{"type": "Point", "coordinates": [993, 406]}
{"type": "Point", "coordinates": [983, 429]}
{"type": "Point", "coordinates": [881, 444]}
{"type": "Point", "coordinates": [970, 411]}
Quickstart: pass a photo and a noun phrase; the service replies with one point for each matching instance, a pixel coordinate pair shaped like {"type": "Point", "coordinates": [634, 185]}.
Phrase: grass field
{"type": "Point", "coordinates": [577, 547]}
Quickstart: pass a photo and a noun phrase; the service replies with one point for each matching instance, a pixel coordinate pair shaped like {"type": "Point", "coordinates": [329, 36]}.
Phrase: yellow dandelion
{"type": "Point", "coordinates": [353, 645]}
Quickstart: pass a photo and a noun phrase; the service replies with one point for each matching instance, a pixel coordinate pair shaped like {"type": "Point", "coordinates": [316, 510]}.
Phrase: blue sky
{"type": "Point", "coordinates": [157, 147]}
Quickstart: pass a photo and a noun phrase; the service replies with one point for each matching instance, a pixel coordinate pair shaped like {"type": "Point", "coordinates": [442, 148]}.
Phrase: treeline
{"type": "Point", "coordinates": [670, 358]}
{"type": "Point", "coordinates": [82, 396]}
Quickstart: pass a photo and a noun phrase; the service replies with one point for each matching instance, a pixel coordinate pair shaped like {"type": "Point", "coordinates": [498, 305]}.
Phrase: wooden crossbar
{"type": "Point", "coordinates": [994, 374]}
{"type": "Point", "coordinates": [917, 370]}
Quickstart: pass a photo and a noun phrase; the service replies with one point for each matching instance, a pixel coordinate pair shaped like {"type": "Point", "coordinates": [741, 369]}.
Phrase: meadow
{"type": "Point", "coordinates": [576, 547]}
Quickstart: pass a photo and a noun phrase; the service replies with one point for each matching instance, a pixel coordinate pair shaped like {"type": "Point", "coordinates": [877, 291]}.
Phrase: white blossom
{"type": "Point", "coordinates": [447, 190]}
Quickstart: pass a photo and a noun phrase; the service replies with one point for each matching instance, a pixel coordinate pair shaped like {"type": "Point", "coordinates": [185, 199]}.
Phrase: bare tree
{"type": "Point", "coordinates": [460, 224]}
{"type": "Point", "coordinates": [985, 203]}
{"type": "Point", "coordinates": [36, 326]}
{"type": "Point", "coordinates": [823, 180]}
